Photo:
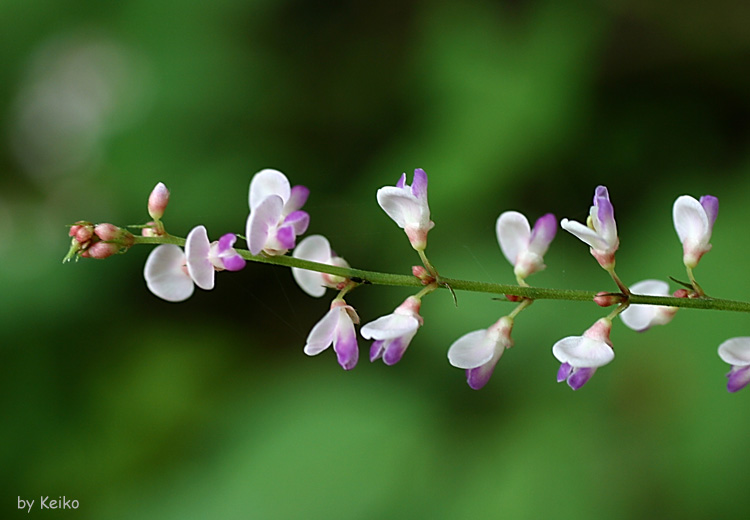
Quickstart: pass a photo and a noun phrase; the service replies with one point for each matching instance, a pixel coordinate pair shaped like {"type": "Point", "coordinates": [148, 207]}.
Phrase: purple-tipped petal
{"type": "Point", "coordinates": [226, 242]}
{"type": "Point", "coordinates": [261, 222]}
{"type": "Point", "coordinates": [419, 184]}
{"type": "Point", "coordinates": [345, 341]}
{"type": "Point", "coordinates": [395, 349]}
{"type": "Point", "coordinates": [544, 231]}
{"type": "Point", "coordinates": [580, 377]}
{"type": "Point", "coordinates": [233, 263]}
{"type": "Point", "coordinates": [564, 372]}
{"type": "Point", "coordinates": [299, 220]}
{"type": "Point", "coordinates": [376, 350]}
{"type": "Point", "coordinates": [286, 237]}
{"type": "Point", "coordinates": [200, 268]}
{"type": "Point", "coordinates": [297, 198]}
{"type": "Point", "coordinates": [738, 378]}
{"type": "Point", "coordinates": [480, 376]}
{"type": "Point", "coordinates": [401, 181]}
{"type": "Point", "coordinates": [605, 213]}
{"type": "Point", "coordinates": [711, 206]}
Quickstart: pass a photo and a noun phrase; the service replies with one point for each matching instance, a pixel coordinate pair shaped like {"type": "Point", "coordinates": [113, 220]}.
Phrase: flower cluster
{"type": "Point", "coordinates": [276, 220]}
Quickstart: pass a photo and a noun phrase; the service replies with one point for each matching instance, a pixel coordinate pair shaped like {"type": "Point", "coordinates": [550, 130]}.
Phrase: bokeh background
{"type": "Point", "coordinates": [139, 408]}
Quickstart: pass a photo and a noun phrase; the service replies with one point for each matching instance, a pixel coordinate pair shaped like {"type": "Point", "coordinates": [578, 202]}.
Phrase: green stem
{"type": "Point", "coordinates": [534, 293]}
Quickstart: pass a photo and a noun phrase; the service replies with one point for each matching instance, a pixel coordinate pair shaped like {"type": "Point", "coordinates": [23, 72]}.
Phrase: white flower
{"type": "Point", "coordinates": [642, 317]}
{"type": "Point", "coordinates": [600, 231]}
{"type": "Point", "coordinates": [694, 222]}
{"type": "Point", "coordinates": [336, 328]}
{"type": "Point", "coordinates": [170, 273]}
{"type": "Point", "coordinates": [275, 218]}
{"type": "Point", "coordinates": [523, 247]}
{"type": "Point", "coordinates": [736, 352]}
{"type": "Point", "coordinates": [407, 206]}
{"type": "Point", "coordinates": [317, 249]}
{"type": "Point", "coordinates": [580, 356]}
{"type": "Point", "coordinates": [479, 351]}
{"type": "Point", "coordinates": [393, 333]}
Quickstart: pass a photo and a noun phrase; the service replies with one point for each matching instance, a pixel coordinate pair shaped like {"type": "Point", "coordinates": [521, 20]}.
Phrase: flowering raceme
{"type": "Point", "coordinates": [275, 218]}
{"type": "Point", "coordinates": [600, 231]}
{"type": "Point", "coordinates": [694, 222]}
{"type": "Point", "coordinates": [407, 206]}
{"type": "Point", "coordinates": [170, 274]}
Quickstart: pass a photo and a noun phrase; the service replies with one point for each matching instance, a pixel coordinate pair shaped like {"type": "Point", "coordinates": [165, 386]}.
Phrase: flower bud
{"type": "Point", "coordinates": [100, 250]}
{"type": "Point", "coordinates": [423, 274]}
{"type": "Point", "coordinates": [607, 299]}
{"type": "Point", "coordinates": [157, 201]}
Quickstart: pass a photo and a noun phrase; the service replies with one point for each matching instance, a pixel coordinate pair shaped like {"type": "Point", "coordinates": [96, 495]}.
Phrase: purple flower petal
{"type": "Point", "coordinates": [345, 341]}
{"type": "Point", "coordinates": [402, 181]}
{"type": "Point", "coordinates": [480, 376]}
{"type": "Point", "coordinates": [297, 198]}
{"type": "Point", "coordinates": [580, 377]}
{"type": "Point", "coordinates": [711, 206]}
{"type": "Point", "coordinates": [739, 377]}
{"type": "Point", "coordinates": [226, 242]}
{"type": "Point", "coordinates": [233, 263]}
{"type": "Point", "coordinates": [564, 372]}
{"type": "Point", "coordinates": [542, 234]}
{"type": "Point", "coordinates": [299, 220]}
{"type": "Point", "coordinates": [394, 350]}
{"type": "Point", "coordinates": [286, 237]}
{"type": "Point", "coordinates": [376, 350]}
{"type": "Point", "coordinates": [419, 184]}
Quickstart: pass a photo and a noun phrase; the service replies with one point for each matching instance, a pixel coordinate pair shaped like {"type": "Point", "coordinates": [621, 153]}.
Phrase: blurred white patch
{"type": "Point", "coordinates": [79, 90]}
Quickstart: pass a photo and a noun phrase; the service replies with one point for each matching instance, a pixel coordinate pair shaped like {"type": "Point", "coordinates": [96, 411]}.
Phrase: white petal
{"type": "Point", "coordinates": [471, 350]}
{"type": "Point", "coordinates": [642, 317]}
{"type": "Point", "coordinates": [316, 249]}
{"type": "Point", "coordinates": [262, 222]}
{"type": "Point", "coordinates": [581, 352]}
{"type": "Point", "coordinates": [321, 335]}
{"type": "Point", "coordinates": [736, 351]}
{"type": "Point", "coordinates": [690, 220]}
{"type": "Point", "coordinates": [389, 327]}
{"type": "Point", "coordinates": [268, 182]}
{"type": "Point", "coordinates": [585, 234]}
{"type": "Point", "coordinates": [639, 317]}
{"type": "Point", "coordinates": [165, 276]}
{"type": "Point", "coordinates": [513, 233]}
{"type": "Point", "coordinates": [400, 205]}
{"type": "Point", "coordinates": [197, 249]}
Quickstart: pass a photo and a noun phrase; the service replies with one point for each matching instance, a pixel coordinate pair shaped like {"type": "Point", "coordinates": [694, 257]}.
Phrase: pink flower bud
{"type": "Point", "coordinates": [157, 201]}
{"type": "Point", "coordinates": [101, 250]}
{"type": "Point", "coordinates": [423, 274]}
{"type": "Point", "coordinates": [607, 299]}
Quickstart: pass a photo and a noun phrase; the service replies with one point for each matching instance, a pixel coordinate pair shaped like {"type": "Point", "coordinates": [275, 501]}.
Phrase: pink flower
{"type": "Point", "coordinates": [336, 328]}
{"type": "Point", "coordinates": [393, 333]}
{"type": "Point", "coordinates": [523, 247]}
{"type": "Point", "coordinates": [408, 207]}
{"type": "Point", "coordinates": [275, 218]}
{"type": "Point", "coordinates": [582, 355]}
{"type": "Point", "coordinates": [170, 274]}
{"type": "Point", "coordinates": [479, 351]}
{"type": "Point", "coordinates": [600, 231]}
{"type": "Point", "coordinates": [694, 222]}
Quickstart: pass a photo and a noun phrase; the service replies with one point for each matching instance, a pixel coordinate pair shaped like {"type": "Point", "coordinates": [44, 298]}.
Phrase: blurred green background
{"type": "Point", "coordinates": [139, 408]}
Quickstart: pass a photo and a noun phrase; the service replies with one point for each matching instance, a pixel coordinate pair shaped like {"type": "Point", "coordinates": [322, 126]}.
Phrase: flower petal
{"type": "Point", "coordinates": [262, 222]}
{"type": "Point", "coordinates": [544, 231]}
{"type": "Point", "coordinates": [389, 327]}
{"type": "Point", "coordinates": [690, 220]}
{"type": "Point", "coordinates": [736, 351]}
{"type": "Point", "coordinates": [563, 373]}
{"type": "Point", "coordinates": [419, 184]}
{"type": "Point", "coordinates": [297, 198]}
{"type": "Point", "coordinates": [513, 234]}
{"type": "Point", "coordinates": [582, 352]}
{"type": "Point", "coordinates": [580, 377]}
{"type": "Point", "coordinates": [738, 378]}
{"type": "Point", "coordinates": [316, 249]}
{"type": "Point", "coordinates": [711, 207]}
{"type": "Point", "coordinates": [376, 350]}
{"type": "Point", "coordinates": [605, 215]}
{"type": "Point", "coordinates": [200, 268]}
{"type": "Point", "coordinates": [642, 317]}
{"type": "Point", "coordinates": [395, 348]}
{"type": "Point", "coordinates": [266, 183]}
{"type": "Point", "coordinates": [345, 341]}
{"type": "Point", "coordinates": [479, 376]}
{"type": "Point", "coordinates": [321, 335]}
{"type": "Point", "coordinates": [471, 350]}
{"type": "Point", "coordinates": [585, 234]}
{"type": "Point", "coordinates": [400, 205]}
{"type": "Point", "coordinates": [299, 220]}
{"type": "Point", "coordinates": [165, 276]}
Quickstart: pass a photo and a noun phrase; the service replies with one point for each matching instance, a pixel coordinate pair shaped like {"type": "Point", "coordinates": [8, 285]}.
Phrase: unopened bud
{"type": "Point", "coordinates": [681, 293]}
{"type": "Point", "coordinates": [423, 274]}
{"type": "Point", "coordinates": [607, 299]}
{"type": "Point", "coordinates": [101, 250]}
{"type": "Point", "coordinates": [513, 298]}
{"type": "Point", "coordinates": [157, 201]}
